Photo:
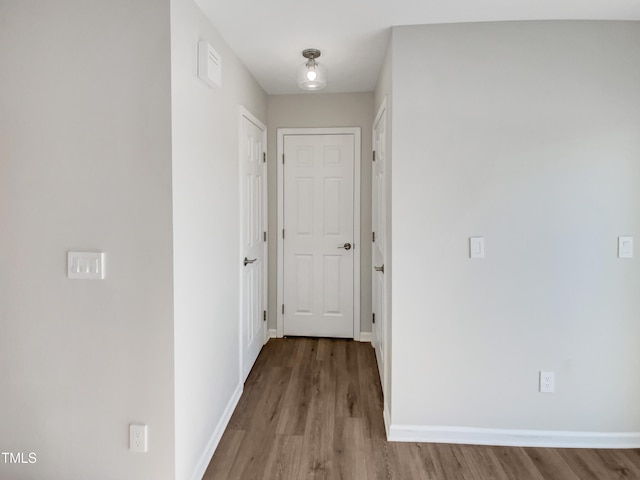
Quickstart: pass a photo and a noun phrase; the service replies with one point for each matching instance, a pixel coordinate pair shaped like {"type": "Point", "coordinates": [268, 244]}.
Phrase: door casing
{"type": "Point", "coordinates": [355, 131]}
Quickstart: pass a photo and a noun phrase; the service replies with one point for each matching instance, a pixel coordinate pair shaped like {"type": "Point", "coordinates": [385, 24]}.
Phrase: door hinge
{"type": "Point", "coordinates": [373, 318]}
{"type": "Point", "coordinates": [283, 158]}
{"type": "Point", "coordinates": [373, 236]}
{"type": "Point", "coordinates": [264, 236]}
{"type": "Point", "coordinates": [374, 155]}
{"type": "Point", "coordinates": [264, 157]}
{"type": "Point", "coordinates": [283, 233]}
{"type": "Point", "coordinates": [283, 308]}
{"type": "Point", "coordinates": [264, 315]}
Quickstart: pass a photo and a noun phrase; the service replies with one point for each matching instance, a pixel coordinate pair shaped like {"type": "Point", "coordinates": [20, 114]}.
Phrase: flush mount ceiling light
{"type": "Point", "coordinates": [312, 75]}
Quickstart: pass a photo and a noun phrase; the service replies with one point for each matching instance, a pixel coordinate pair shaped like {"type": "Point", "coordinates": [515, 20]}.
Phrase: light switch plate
{"type": "Point", "coordinates": [476, 247]}
{"type": "Point", "coordinates": [85, 265]}
{"type": "Point", "coordinates": [625, 247]}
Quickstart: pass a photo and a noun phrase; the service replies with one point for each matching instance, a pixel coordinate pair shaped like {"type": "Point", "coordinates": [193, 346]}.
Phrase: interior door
{"type": "Point", "coordinates": [254, 253]}
{"type": "Point", "coordinates": [319, 245]}
{"type": "Point", "coordinates": [378, 221]}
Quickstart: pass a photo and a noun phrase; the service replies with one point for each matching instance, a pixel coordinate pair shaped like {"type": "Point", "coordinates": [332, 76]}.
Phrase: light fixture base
{"type": "Point", "coordinates": [311, 53]}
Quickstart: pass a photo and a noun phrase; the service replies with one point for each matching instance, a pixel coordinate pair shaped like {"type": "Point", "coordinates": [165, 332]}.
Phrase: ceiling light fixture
{"type": "Point", "coordinates": [312, 75]}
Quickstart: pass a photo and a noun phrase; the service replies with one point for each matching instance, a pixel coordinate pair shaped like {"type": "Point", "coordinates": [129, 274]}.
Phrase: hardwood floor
{"type": "Point", "coordinates": [312, 409]}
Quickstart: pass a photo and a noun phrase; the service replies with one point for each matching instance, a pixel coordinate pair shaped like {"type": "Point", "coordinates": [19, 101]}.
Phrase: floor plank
{"type": "Point", "coordinates": [483, 463]}
{"type": "Point", "coordinates": [596, 465]}
{"type": "Point", "coordinates": [252, 456]}
{"type": "Point", "coordinates": [312, 409]}
{"type": "Point", "coordinates": [620, 464]}
{"type": "Point", "coordinates": [284, 458]}
{"type": "Point", "coordinates": [551, 464]}
{"type": "Point", "coordinates": [224, 455]}
{"type": "Point", "coordinates": [349, 449]}
{"type": "Point", "coordinates": [416, 461]}
{"type": "Point", "coordinates": [632, 456]}
{"type": "Point", "coordinates": [382, 460]}
{"type": "Point", "coordinates": [450, 462]}
{"type": "Point", "coordinates": [517, 464]}
{"type": "Point", "coordinates": [317, 449]}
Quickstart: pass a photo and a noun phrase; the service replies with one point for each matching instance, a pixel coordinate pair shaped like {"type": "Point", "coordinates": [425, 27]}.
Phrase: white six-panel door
{"type": "Point", "coordinates": [319, 241]}
{"type": "Point", "coordinates": [379, 227]}
{"type": "Point", "coordinates": [253, 249]}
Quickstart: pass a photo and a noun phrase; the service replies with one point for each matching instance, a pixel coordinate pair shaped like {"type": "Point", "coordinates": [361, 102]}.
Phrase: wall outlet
{"type": "Point", "coordinates": [138, 438]}
{"type": "Point", "coordinates": [547, 382]}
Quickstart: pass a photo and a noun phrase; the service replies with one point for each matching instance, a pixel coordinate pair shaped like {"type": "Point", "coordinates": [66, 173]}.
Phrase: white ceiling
{"type": "Point", "coordinates": [269, 35]}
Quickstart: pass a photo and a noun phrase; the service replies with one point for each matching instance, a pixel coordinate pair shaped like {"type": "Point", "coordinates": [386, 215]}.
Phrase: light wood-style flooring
{"type": "Point", "coordinates": [312, 409]}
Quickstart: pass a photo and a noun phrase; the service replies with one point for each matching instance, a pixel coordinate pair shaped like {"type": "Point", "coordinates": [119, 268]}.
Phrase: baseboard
{"type": "Point", "coordinates": [213, 442]}
{"type": "Point", "coordinates": [386, 416]}
{"type": "Point", "coordinates": [273, 333]}
{"type": "Point", "coordinates": [511, 438]}
{"type": "Point", "coordinates": [366, 337]}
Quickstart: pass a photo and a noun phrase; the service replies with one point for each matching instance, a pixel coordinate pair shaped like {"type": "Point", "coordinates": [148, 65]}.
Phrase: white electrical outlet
{"type": "Point", "coordinates": [138, 438]}
{"type": "Point", "coordinates": [547, 382]}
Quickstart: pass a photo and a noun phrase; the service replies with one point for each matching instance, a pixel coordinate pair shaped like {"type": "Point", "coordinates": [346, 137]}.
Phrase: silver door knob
{"type": "Point", "coordinates": [247, 261]}
{"type": "Point", "coordinates": [346, 246]}
{"type": "Point", "coordinates": [379, 269]}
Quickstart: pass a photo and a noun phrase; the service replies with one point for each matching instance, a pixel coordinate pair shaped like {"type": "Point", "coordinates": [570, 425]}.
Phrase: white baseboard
{"type": "Point", "coordinates": [511, 438]}
{"type": "Point", "coordinates": [366, 337]}
{"type": "Point", "coordinates": [273, 333]}
{"type": "Point", "coordinates": [213, 442]}
{"type": "Point", "coordinates": [386, 416]}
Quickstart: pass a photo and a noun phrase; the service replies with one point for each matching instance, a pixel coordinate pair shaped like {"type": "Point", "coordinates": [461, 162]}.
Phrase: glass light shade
{"type": "Point", "coordinates": [312, 77]}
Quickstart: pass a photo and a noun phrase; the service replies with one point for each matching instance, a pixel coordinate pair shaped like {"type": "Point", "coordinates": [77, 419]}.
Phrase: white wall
{"type": "Point", "coordinates": [323, 110]}
{"type": "Point", "coordinates": [206, 235]}
{"type": "Point", "coordinates": [526, 134]}
{"type": "Point", "coordinates": [87, 135]}
{"type": "Point", "coordinates": [85, 163]}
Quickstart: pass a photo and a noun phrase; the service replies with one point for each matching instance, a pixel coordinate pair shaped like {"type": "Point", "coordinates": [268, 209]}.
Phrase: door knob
{"type": "Point", "coordinates": [346, 246]}
{"type": "Point", "coordinates": [247, 261]}
{"type": "Point", "coordinates": [379, 269]}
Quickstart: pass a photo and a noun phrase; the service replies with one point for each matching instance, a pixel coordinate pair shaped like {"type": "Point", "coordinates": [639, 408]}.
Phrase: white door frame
{"type": "Point", "coordinates": [244, 113]}
{"type": "Point", "coordinates": [355, 131]}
